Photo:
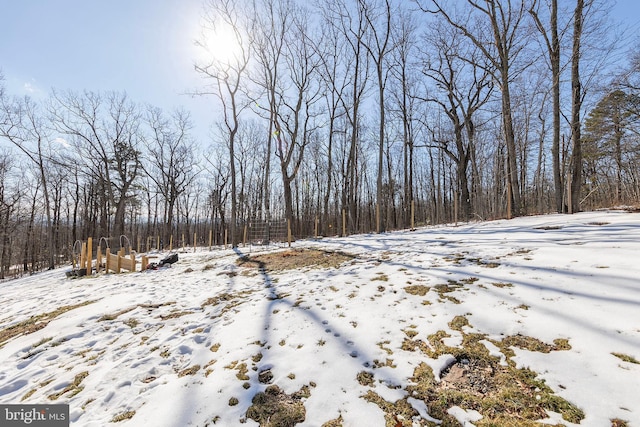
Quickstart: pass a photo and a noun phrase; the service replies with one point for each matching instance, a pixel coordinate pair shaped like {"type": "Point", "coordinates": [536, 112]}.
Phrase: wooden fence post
{"type": "Point", "coordinates": [89, 255]}
{"type": "Point", "coordinates": [315, 229]}
{"type": "Point", "coordinates": [83, 256]}
{"type": "Point", "coordinates": [98, 259]}
{"type": "Point", "coordinates": [108, 261]}
{"type": "Point", "coordinates": [244, 236]}
{"type": "Point", "coordinates": [413, 215]}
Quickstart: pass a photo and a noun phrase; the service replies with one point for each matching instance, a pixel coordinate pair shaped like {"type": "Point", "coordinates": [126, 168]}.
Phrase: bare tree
{"type": "Point", "coordinates": [331, 50]}
{"type": "Point", "coordinates": [295, 115]}
{"type": "Point", "coordinates": [106, 134]}
{"type": "Point", "coordinates": [353, 27]}
{"type": "Point", "coordinates": [576, 105]}
{"type": "Point", "coordinates": [170, 159]}
{"type": "Point", "coordinates": [24, 127]}
{"type": "Point", "coordinates": [504, 19]}
{"type": "Point", "coordinates": [227, 79]}
{"type": "Point", "coordinates": [9, 203]}
{"type": "Point", "coordinates": [377, 43]}
{"type": "Point", "coordinates": [464, 79]}
{"type": "Point", "coordinates": [270, 23]}
{"type": "Point", "coordinates": [551, 40]}
{"type": "Point", "coordinates": [405, 97]}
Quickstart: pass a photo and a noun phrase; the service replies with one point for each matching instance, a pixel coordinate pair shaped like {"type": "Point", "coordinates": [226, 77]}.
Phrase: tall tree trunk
{"type": "Point", "coordinates": [515, 204]}
{"type": "Point", "coordinates": [554, 56]}
{"type": "Point", "coordinates": [576, 104]}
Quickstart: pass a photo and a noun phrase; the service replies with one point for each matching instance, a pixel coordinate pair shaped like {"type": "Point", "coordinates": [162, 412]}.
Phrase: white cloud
{"type": "Point", "coordinates": [62, 141]}
{"type": "Point", "coordinates": [31, 87]}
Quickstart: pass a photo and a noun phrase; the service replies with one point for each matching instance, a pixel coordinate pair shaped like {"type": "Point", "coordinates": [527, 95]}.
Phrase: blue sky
{"type": "Point", "coordinates": [143, 47]}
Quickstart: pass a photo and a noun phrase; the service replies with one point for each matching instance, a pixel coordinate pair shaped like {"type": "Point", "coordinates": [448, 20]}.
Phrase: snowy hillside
{"type": "Point", "coordinates": [536, 318]}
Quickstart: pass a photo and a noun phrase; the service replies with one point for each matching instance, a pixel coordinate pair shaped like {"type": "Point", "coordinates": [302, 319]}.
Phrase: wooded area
{"type": "Point", "coordinates": [341, 116]}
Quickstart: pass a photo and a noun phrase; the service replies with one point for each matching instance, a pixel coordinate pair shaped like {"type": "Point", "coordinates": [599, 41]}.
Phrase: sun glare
{"type": "Point", "coordinates": [221, 44]}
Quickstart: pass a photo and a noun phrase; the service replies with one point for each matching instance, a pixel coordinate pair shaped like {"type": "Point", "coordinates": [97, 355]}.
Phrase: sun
{"type": "Point", "coordinates": [221, 44]}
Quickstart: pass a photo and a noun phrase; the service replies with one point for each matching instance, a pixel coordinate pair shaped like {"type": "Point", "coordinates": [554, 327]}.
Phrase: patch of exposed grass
{"type": "Point", "coordinates": [617, 422]}
{"type": "Point", "coordinates": [490, 264]}
{"type": "Point", "coordinates": [131, 322]}
{"type": "Point", "coordinates": [504, 395]}
{"type": "Point", "coordinates": [241, 368]}
{"type": "Point", "coordinates": [419, 290]}
{"type": "Point", "coordinates": [336, 422]}
{"type": "Point", "coordinates": [175, 314]}
{"type": "Point", "coordinates": [41, 342]}
{"type": "Point", "coordinates": [395, 412]}
{"type": "Point", "coordinates": [28, 394]}
{"type": "Point", "coordinates": [189, 371]}
{"type": "Point", "coordinates": [365, 378]}
{"type": "Point", "coordinates": [383, 346]}
{"type": "Point", "coordinates": [381, 277]}
{"type": "Point", "coordinates": [531, 344]}
{"type": "Point", "coordinates": [123, 416]}
{"type": "Point", "coordinates": [231, 300]}
{"type": "Point", "coordinates": [275, 408]}
{"type": "Point", "coordinates": [502, 285]}
{"type": "Point", "coordinates": [387, 363]}
{"type": "Point", "coordinates": [294, 259]}
{"type": "Point", "coordinates": [73, 388]}
{"type": "Point", "coordinates": [446, 288]}
{"type": "Point", "coordinates": [410, 332]}
{"type": "Point", "coordinates": [458, 322]}
{"type": "Point", "coordinates": [35, 323]}
{"type": "Point", "coordinates": [114, 316]}
{"type": "Point", "coordinates": [217, 299]}
{"type": "Point", "coordinates": [626, 358]}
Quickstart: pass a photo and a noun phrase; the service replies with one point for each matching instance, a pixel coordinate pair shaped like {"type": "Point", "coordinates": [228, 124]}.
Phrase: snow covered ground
{"type": "Point", "coordinates": [192, 345]}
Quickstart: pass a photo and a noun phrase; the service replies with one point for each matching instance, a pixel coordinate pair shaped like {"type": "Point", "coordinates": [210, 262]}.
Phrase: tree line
{"type": "Point", "coordinates": [374, 114]}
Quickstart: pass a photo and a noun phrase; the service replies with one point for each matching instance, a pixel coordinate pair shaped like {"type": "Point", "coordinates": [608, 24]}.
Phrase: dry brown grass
{"type": "Point", "coordinates": [35, 323]}
{"type": "Point", "coordinates": [192, 370]}
{"type": "Point", "coordinates": [476, 380]}
{"type": "Point", "coordinates": [294, 259]}
{"type": "Point", "coordinates": [123, 416]}
{"type": "Point", "coordinates": [275, 408]}
{"type": "Point", "coordinates": [73, 388]}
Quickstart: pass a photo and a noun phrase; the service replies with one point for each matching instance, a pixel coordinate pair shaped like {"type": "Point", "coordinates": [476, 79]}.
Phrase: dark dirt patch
{"type": "Point", "coordinates": [419, 290]}
{"type": "Point", "coordinates": [549, 227]}
{"type": "Point", "coordinates": [295, 258]}
{"type": "Point", "coordinates": [275, 408]}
